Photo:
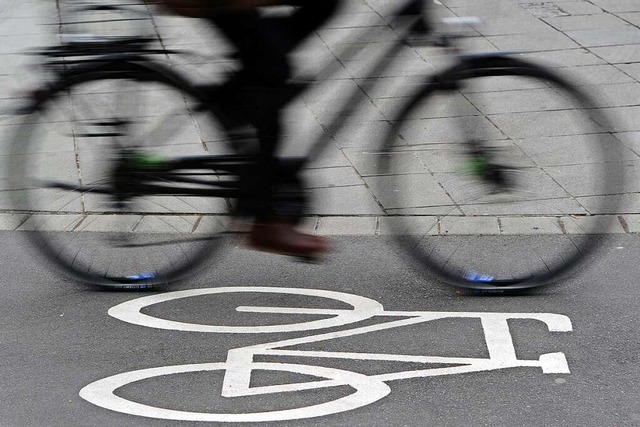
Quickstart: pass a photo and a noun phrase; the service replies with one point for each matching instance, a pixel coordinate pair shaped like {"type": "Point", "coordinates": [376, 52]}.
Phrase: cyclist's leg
{"type": "Point", "coordinates": [261, 49]}
{"type": "Point", "coordinates": [262, 91]}
{"type": "Point", "coordinates": [263, 43]}
{"type": "Point", "coordinates": [280, 201]}
{"type": "Point", "coordinates": [309, 16]}
{"type": "Point", "coordinates": [253, 92]}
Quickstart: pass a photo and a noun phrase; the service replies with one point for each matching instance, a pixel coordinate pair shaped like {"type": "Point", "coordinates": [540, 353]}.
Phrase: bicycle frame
{"type": "Point", "coordinates": [130, 55]}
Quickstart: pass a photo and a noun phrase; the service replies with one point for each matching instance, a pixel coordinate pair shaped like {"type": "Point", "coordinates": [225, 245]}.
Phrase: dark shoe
{"type": "Point", "coordinates": [283, 238]}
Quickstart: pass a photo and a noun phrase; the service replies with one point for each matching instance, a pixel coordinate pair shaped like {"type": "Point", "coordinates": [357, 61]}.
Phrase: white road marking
{"type": "Point", "coordinates": [367, 390]}
{"type": "Point", "coordinates": [240, 363]}
{"type": "Point", "coordinates": [363, 308]}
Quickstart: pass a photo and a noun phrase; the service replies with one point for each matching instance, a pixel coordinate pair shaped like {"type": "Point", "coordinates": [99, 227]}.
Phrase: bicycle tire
{"type": "Point", "coordinates": [522, 211]}
{"type": "Point", "coordinates": [69, 133]}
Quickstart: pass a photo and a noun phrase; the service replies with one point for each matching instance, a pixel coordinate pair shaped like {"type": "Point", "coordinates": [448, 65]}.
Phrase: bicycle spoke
{"type": "Point", "coordinates": [508, 201]}
{"type": "Point", "coordinates": [115, 236]}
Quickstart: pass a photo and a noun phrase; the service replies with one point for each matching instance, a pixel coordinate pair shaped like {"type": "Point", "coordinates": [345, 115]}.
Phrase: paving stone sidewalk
{"type": "Point", "coordinates": [597, 42]}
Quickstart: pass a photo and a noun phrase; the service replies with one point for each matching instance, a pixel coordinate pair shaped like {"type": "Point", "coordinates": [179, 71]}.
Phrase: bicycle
{"type": "Point", "coordinates": [475, 160]}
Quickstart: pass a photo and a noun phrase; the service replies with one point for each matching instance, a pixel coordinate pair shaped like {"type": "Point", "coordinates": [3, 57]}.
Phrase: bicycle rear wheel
{"type": "Point", "coordinates": [499, 175]}
{"type": "Point", "coordinates": [62, 170]}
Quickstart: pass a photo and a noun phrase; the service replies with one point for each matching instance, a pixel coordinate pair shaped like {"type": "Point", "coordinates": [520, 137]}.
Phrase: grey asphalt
{"type": "Point", "coordinates": [57, 338]}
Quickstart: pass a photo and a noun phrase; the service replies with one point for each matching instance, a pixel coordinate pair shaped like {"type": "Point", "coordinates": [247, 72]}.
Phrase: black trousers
{"type": "Point", "coordinates": [263, 44]}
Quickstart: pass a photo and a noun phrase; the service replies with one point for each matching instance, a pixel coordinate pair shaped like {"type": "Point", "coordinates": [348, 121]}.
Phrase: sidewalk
{"type": "Point", "coordinates": [595, 41]}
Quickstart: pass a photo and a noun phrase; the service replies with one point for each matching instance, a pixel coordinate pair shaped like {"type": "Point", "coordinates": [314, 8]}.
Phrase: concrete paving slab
{"type": "Point", "coordinates": [632, 70]}
{"type": "Point", "coordinates": [564, 58]}
{"type": "Point", "coordinates": [618, 54]}
{"type": "Point", "coordinates": [630, 139]}
{"type": "Point", "coordinates": [52, 137]}
{"type": "Point", "coordinates": [615, 95]}
{"type": "Point", "coordinates": [368, 162]}
{"type": "Point", "coordinates": [590, 22]}
{"type": "Point", "coordinates": [529, 226]}
{"type": "Point", "coordinates": [540, 123]}
{"type": "Point", "coordinates": [573, 149]}
{"type": "Point", "coordinates": [593, 43]}
{"type": "Point", "coordinates": [28, 9]}
{"type": "Point", "coordinates": [9, 221]}
{"type": "Point", "coordinates": [452, 225]}
{"type": "Point", "coordinates": [547, 207]}
{"type": "Point", "coordinates": [354, 200]}
{"type": "Point", "coordinates": [327, 113]}
{"type": "Point", "coordinates": [361, 226]}
{"type": "Point", "coordinates": [408, 191]}
{"type": "Point", "coordinates": [519, 101]}
{"type": "Point", "coordinates": [331, 156]}
{"type": "Point", "coordinates": [544, 10]}
{"type": "Point", "coordinates": [209, 224]}
{"type": "Point", "coordinates": [332, 177]}
{"type": "Point", "coordinates": [405, 67]}
{"type": "Point", "coordinates": [606, 37]}
{"type": "Point", "coordinates": [548, 40]}
{"type": "Point", "coordinates": [106, 223]}
{"type": "Point", "coordinates": [410, 225]}
{"type": "Point", "coordinates": [532, 185]}
{"type": "Point", "coordinates": [498, 84]}
{"type": "Point", "coordinates": [632, 223]}
{"type": "Point", "coordinates": [617, 5]}
{"type": "Point", "coordinates": [16, 44]}
{"type": "Point", "coordinates": [366, 136]}
{"type": "Point", "coordinates": [167, 224]}
{"type": "Point", "coordinates": [390, 87]}
{"type": "Point", "coordinates": [439, 130]}
{"type": "Point", "coordinates": [624, 119]}
{"type": "Point", "coordinates": [624, 204]}
{"type": "Point", "coordinates": [50, 223]}
{"type": "Point", "coordinates": [606, 224]}
{"type": "Point", "coordinates": [580, 8]}
{"type": "Point", "coordinates": [596, 74]}
{"type": "Point", "coordinates": [507, 25]}
{"type": "Point", "coordinates": [439, 105]}
{"type": "Point", "coordinates": [576, 180]}
{"type": "Point", "coordinates": [631, 17]}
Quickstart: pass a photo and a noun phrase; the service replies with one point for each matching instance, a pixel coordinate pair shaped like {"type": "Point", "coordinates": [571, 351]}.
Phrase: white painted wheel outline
{"type": "Point", "coordinates": [368, 390]}
{"type": "Point", "coordinates": [363, 308]}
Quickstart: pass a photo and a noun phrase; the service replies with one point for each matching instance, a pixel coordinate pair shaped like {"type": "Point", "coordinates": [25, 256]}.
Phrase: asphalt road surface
{"type": "Point", "coordinates": [361, 340]}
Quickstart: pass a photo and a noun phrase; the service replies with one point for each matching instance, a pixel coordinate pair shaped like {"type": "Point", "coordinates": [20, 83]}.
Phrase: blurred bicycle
{"type": "Point", "coordinates": [122, 144]}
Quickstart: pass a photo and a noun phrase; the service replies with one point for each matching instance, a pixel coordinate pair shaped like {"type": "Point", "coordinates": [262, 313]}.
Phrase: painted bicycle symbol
{"type": "Point", "coordinates": [240, 363]}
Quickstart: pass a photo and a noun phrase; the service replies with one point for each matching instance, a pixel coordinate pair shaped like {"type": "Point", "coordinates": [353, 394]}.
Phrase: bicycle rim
{"type": "Point", "coordinates": [72, 137]}
{"type": "Point", "coordinates": [521, 205]}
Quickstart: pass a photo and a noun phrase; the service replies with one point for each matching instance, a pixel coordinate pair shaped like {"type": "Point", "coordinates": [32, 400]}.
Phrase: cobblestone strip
{"type": "Point", "coordinates": [365, 225]}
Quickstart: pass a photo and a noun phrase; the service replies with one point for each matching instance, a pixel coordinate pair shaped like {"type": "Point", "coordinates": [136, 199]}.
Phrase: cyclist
{"type": "Point", "coordinates": [263, 44]}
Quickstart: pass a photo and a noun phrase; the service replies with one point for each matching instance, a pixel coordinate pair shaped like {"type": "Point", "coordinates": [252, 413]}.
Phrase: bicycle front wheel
{"type": "Point", "coordinates": [76, 133]}
{"type": "Point", "coordinates": [499, 175]}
